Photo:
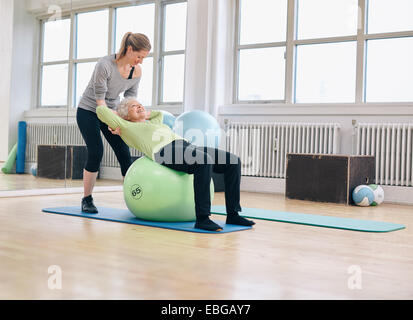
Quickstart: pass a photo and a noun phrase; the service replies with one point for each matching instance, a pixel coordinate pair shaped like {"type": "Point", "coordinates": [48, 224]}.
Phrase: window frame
{"type": "Point", "coordinates": [239, 47]}
{"type": "Point", "coordinates": [155, 53]}
{"type": "Point", "coordinates": [291, 45]}
{"type": "Point", "coordinates": [41, 64]}
{"type": "Point", "coordinates": [162, 53]}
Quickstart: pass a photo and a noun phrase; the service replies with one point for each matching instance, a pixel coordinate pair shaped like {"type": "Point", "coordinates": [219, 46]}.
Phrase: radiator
{"type": "Point", "coordinates": [391, 144]}
{"type": "Point", "coordinates": [262, 147]}
{"type": "Point", "coordinates": [64, 134]}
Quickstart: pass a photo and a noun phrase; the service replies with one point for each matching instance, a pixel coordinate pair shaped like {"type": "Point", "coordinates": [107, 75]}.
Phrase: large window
{"type": "Point", "coordinates": [389, 51]}
{"type": "Point", "coordinates": [90, 43]}
{"type": "Point", "coordinates": [324, 51]}
{"type": "Point", "coordinates": [173, 53]}
{"type": "Point", "coordinates": [261, 45]}
{"type": "Point", "coordinates": [55, 63]}
{"type": "Point", "coordinates": [71, 47]}
{"type": "Point", "coordinates": [126, 20]}
{"type": "Point", "coordinates": [326, 72]}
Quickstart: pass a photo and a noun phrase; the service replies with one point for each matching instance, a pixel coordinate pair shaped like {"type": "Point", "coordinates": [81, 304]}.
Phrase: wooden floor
{"type": "Point", "coordinates": [107, 260]}
{"type": "Point", "coordinates": [10, 182]}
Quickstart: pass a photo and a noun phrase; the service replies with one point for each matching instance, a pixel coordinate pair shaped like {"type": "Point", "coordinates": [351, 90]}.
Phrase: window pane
{"type": "Point", "coordinates": [173, 78]}
{"type": "Point", "coordinates": [326, 72]}
{"type": "Point", "coordinates": [56, 40]}
{"type": "Point", "coordinates": [54, 85]}
{"type": "Point", "coordinates": [84, 73]}
{"type": "Point", "coordinates": [175, 26]}
{"type": "Point", "coordinates": [263, 21]}
{"type": "Point", "coordinates": [261, 74]}
{"type": "Point", "coordinates": [389, 70]}
{"type": "Point", "coordinates": [136, 19]}
{"type": "Point", "coordinates": [326, 18]}
{"type": "Point", "coordinates": [145, 85]}
{"type": "Point", "coordinates": [92, 34]}
{"type": "Point", "coordinates": [390, 16]}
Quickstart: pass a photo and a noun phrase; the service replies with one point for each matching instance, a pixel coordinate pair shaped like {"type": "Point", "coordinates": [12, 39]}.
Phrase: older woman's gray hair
{"type": "Point", "coordinates": [123, 107]}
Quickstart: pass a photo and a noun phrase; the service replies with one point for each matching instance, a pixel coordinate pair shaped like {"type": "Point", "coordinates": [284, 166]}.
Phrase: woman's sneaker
{"type": "Point", "coordinates": [88, 206]}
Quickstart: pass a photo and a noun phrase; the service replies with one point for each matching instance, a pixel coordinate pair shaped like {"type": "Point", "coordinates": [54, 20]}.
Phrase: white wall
{"type": "Point", "coordinates": [6, 40]}
{"type": "Point", "coordinates": [196, 55]}
{"type": "Point", "coordinates": [39, 6]}
{"type": "Point", "coordinates": [24, 66]}
{"type": "Point", "coordinates": [209, 54]}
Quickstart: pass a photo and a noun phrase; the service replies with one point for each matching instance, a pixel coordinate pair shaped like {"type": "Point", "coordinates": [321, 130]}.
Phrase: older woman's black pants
{"type": "Point", "coordinates": [201, 162]}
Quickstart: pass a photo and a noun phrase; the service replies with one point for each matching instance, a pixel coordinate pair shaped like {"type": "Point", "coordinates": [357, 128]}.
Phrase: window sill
{"type": "Point", "coordinates": [62, 114]}
{"type": "Point", "coordinates": [309, 109]}
{"type": "Point", "coordinates": [58, 114]}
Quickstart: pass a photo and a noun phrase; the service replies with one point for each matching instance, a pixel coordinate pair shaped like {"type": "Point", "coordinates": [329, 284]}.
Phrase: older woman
{"type": "Point", "coordinates": [145, 131]}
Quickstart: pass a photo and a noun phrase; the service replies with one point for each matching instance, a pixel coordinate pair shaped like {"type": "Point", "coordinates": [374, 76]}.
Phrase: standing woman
{"type": "Point", "coordinates": [113, 75]}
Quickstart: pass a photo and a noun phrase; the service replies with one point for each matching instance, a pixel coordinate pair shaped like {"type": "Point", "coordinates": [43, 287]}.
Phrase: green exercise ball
{"type": "Point", "coordinates": [157, 193]}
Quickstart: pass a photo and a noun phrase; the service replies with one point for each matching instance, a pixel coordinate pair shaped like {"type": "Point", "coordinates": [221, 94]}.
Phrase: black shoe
{"type": "Point", "coordinates": [207, 224]}
{"type": "Point", "coordinates": [88, 206]}
{"type": "Point", "coordinates": [238, 220]}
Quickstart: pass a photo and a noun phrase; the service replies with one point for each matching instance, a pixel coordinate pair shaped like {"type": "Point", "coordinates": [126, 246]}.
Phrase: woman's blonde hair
{"type": "Point", "coordinates": [138, 42]}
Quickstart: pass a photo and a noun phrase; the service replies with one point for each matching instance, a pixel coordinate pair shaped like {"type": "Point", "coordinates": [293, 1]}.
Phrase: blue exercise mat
{"type": "Point", "coordinates": [125, 216]}
{"type": "Point", "coordinates": [314, 220]}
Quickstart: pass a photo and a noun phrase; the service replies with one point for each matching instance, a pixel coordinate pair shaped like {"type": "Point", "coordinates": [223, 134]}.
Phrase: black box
{"type": "Point", "coordinates": [51, 161]}
{"type": "Point", "coordinates": [327, 178]}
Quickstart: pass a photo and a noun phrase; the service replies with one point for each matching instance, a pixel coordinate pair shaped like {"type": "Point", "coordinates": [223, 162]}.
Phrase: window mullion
{"type": "Point", "coordinates": [290, 53]}
{"type": "Point", "coordinates": [157, 63]}
{"type": "Point", "coordinates": [325, 40]}
{"type": "Point", "coordinates": [40, 69]}
{"type": "Point", "coordinates": [85, 60]}
{"type": "Point", "coordinates": [399, 34]}
{"type": "Point", "coordinates": [262, 45]}
{"type": "Point", "coordinates": [237, 51]}
{"type": "Point", "coordinates": [111, 37]}
{"type": "Point", "coordinates": [172, 53]}
{"type": "Point", "coordinates": [361, 44]}
{"type": "Point", "coordinates": [71, 78]}
{"type": "Point", "coordinates": [54, 62]}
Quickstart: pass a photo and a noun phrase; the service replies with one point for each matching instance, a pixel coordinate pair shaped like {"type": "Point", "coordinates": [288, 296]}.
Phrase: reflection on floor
{"type": "Point", "coordinates": [9, 182]}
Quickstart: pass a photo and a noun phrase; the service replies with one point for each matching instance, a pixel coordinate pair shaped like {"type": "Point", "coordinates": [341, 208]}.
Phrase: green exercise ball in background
{"type": "Point", "coordinates": [378, 194]}
{"type": "Point", "coordinates": [157, 193]}
{"type": "Point", "coordinates": [363, 196]}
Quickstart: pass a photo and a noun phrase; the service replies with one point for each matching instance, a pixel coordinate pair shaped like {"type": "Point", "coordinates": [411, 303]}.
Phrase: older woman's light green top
{"type": "Point", "coordinates": [148, 137]}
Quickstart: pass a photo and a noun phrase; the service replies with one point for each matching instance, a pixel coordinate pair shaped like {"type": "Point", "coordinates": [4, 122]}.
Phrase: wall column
{"type": "Point", "coordinates": [6, 48]}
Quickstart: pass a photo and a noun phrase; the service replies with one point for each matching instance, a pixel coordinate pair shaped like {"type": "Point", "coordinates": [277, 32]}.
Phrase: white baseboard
{"type": "Point", "coordinates": [398, 195]}
{"type": "Point", "coordinates": [262, 185]}
{"type": "Point", "coordinates": [392, 194]}
{"type": "Point", "coordinates": [110, 173]}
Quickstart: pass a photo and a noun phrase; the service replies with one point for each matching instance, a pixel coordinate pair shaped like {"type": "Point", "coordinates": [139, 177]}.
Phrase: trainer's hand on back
{"type": "Point", "coordinates": [117, 131]}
